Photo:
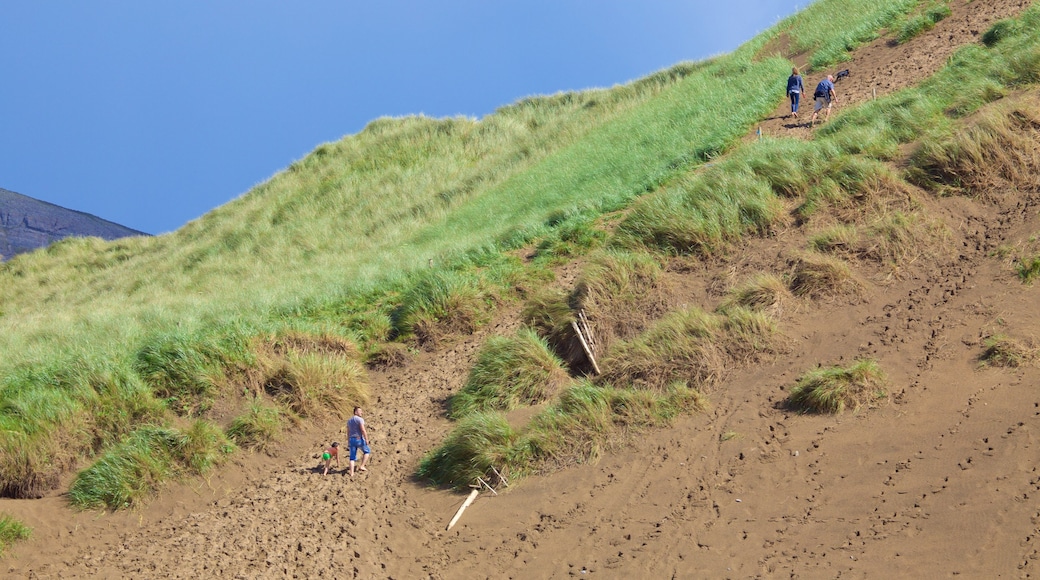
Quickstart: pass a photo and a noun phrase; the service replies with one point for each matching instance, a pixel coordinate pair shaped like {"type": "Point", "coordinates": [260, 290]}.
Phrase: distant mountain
{"type": "Point", "coordinates": [27, 224]}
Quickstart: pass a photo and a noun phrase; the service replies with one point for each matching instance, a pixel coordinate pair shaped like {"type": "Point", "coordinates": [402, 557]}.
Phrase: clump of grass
{"type": "Point", "coordinates": [835, 389]}
{"type": "Point", "coordinates": [585, 419]}
{"type": "Point", "coordinates": [479, 442]}
{"type": "Point", "coordinates": [691, 346]}
{"type": "Point", "coordinates": [314, 385]}
{"type": "Point", "coordinates": [765, 292]}
{"type": "Point", "coordinates": [184, 371]}
{"type": "Point", "coordinates": [589, 418]}
{"type": "Point", "coordinates": [619, 292]}
{"type": "Point", "coordinates": [133, 470]}
{"type": "Point", "coordinates": [1003, 351]}
{"type": "Point", "coordinates": [440, 304]}
{"type": "Point", "coordinates": [818, 276]}
{"type": "Point", "coordinates": [897, 237]}
{"type": "Point", "coordinates": [1028, 269]}
{"type": "Point", "coordinates": [388, 355]}
{"type": "Point", "coordinates": [1001, 30]}
{"type": "Point", "coordinates": [11, 531]}
{"type": "Point", "coordinates": [202, 447]}
{"type": "Point", "coordinates": [840, 237]}
{"type": "Point", "coordinates": [510, 372]}
{"type": "Point", "coordinates": [256, 428]}
{"type": "Point", "coordinates": [1000, 148]}
{"type": "Point", "coordinates": [570, 238]}
{"type": "Point", "coordinates": [921, 23]}
{"type": "Point", "coordinates": [549, 314]}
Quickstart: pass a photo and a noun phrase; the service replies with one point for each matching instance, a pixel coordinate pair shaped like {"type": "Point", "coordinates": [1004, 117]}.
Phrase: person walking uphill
{"type": "Point", "coordinates": [795, 88]}
{"type": "Point", "coordinates": [825, 97]}
{"type": "Point", "coordinates": [358, 440]}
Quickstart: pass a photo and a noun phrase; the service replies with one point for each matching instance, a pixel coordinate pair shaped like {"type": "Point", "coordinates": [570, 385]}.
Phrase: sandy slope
{"type": "Point", "coordinates": [940, 482]}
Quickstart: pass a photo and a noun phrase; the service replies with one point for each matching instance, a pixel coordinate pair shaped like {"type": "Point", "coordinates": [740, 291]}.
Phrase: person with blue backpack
{"type": "Point", "coordinates": [825, 97]}
{"type": "Point", "coordinates": [794, 90]}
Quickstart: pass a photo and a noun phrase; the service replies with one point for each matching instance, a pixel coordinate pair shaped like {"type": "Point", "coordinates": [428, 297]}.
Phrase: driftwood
{"type": "Point", "coordinates": [585, 345]}
{"type": "Point", "coordinates": [499, 476]}
{"type": "Point", "coordinates": [487, 485]}
{"type": "Point", "coordinates": [588, 331]}
{"type": "Point", "coordinates": [472, 496]}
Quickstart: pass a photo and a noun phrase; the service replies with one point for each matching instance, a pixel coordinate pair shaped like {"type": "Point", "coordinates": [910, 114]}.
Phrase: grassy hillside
{"type": "Point", "coordinates": [145, 359]}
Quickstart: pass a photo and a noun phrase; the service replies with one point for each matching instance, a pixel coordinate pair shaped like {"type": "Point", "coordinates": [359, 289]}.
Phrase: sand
{"type": "Point", "coordinates": [941, 481]}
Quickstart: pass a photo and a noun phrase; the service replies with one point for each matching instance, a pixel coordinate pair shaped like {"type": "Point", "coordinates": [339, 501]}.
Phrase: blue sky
{"type": "Point", "coordinates": [150, 114]}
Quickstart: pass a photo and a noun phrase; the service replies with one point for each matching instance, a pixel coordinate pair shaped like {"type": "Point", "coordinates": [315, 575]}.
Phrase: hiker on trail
{"type": "Point", "coordinates": [825, 97]}
{"type": "Point", "coordinates": [330, 453]}
{"type": "Point", "coordinates": [358, 440]}
{"type": "Point", "coordinates": [795, 88]}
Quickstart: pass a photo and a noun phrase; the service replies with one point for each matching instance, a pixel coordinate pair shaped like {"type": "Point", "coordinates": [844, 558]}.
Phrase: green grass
{"type": "Point", "coordinates": [835, 389]}
{"type": "Point", "coordinates": [11, 531]}
{"type": "Point", "coordinates": [510, 372]}
{"type": "Point", "coordinates": [832, 28]}
{"type": "Point", "coordinates": [256, 428]}
{"type": "Point", "coordinates": [834, 239]}
{"type": "Point", "coordinates": [136, 468]}
{"type": "Point", "coordinates": [584, 419]}
{"type": "Point", "coordinates": [921, 23]}
{"type": "Point", "coordinates": [1028, 269]}
{"type": "Point", "coordinates": [690, 346]}
{"type": "Point", "coordinates": [479, 442]}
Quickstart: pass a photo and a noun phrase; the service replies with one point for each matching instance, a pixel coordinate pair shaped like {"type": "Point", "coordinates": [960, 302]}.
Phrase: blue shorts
{"type": "Point", "coordinates": [356, 444]}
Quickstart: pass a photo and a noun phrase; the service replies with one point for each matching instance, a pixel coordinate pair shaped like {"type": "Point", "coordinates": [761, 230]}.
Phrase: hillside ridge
{"type": "Point", "coordinates": [750, 488]}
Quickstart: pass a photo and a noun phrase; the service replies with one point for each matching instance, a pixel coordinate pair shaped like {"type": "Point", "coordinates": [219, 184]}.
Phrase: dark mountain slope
{"type": "Point", "coordinates": [27, 224]}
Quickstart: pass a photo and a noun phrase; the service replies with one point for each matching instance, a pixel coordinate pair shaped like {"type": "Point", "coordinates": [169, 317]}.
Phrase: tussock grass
{"type": "Point", "coordinates": [590, 418]}
{"type": "Point", "coordinates": [1000, 148]}
{"type": "Point", "coordinates": [510, 372]}
{"type": "Point", "coordinates": [315, 385]}
{"type": "Point", "coordinates": [440, 304]}
{"type": "Point", "coordinates": [917, 25]}
{"type": "Point", "coordinates": [898, 238]}
{"type": "Point", "coordinates": [572, 237]}
{"type": "Point", "coordinates": [1003, 351]}
{"type": "Point", "coordinates": [765, 292]}
{"type": "Point", "coordinates": [314, 374]}
{"type": "Point", "coordinates": [479, 442]}
{"type": "Point", "coordinates": [257, 427]}
{"type": "Point", "coordinates": [691, 346]}
{"type": "Point", "coordinates": [1028, 269]}
{"type": "Point", "coordinates": [11, 531]}
{"type": "Point", "coordinates": [548, 312]}
{"type": "Point", "coordinates": [136, 468]}
{"type": "Point", "coordinates": [835, 389]}
{"type": "Point", "coordinates": [1000, 30]}
{"type": "Point", "coordinates": [184, 371]}
{"type": "Point", "coordinates": [50, 416]}
{"type": "Point", "coordinates": [585, 419]}
{"type": "Point", "coordinates": [620, 293]}
{"type": "Point", "coordinates": [388, 355]}
{"type": "Point", "coordinates": [819, 277]}
{"type": "Point", "coordinates": [840, 238]}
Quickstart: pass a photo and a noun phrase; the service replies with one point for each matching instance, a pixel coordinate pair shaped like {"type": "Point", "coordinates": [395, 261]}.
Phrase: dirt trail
{"type": "Point", "coordinates": [882, 67]}
{"type": "Point", "coordinates": [943, 481]}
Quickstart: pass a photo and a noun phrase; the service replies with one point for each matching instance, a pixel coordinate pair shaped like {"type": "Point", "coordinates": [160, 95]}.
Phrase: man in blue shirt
{"type": "Point", "coordinates": [358, 441]}
{"type": "Point", "coordinates": [825, 97]}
